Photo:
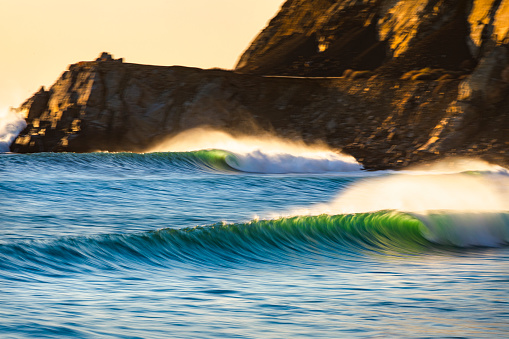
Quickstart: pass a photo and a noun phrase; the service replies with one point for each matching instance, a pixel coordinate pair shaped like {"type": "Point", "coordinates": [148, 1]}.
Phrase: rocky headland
{"type": "Point", "coordinates": [392, 82]}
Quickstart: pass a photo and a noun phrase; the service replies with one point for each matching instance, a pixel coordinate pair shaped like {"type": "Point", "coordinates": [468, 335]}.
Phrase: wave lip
{"type": "Point", "coordinates": [258, 161]}
{"type": "Point", "coordinates": [466, 229]}
{"type": "Point", "coordinates": [280, 163]}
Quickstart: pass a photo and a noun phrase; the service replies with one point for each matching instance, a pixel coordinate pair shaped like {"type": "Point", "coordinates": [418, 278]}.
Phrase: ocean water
{"type": "Point", "coordinates": [224, 244]}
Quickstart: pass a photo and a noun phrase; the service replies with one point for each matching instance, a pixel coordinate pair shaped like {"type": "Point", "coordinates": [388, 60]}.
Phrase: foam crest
{"type": "Point", "coordinates": [466, 229]}
{"type": "Point", "coordinates": [11, 123]}
{"type": "Point", "coordinates": [455, 165]}
{"type": "Point", "coordinates": [262, 154]}
{"type": "Point", "coordinates": [472, 192]}
{"type": "Point", "coordinates": [260, 162]}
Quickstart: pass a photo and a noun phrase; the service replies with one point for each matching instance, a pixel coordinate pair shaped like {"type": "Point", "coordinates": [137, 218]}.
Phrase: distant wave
{"type": "Point", "coordinates": [259, 162]}
{"type": "Point", "coordinates": [11, 123]}
{"type": "Point", "coordinates": [289, 240]}
{"type": "Point", "coordinates": [204, 160]}
{"type": "Point", "coordinates": [263, 153]}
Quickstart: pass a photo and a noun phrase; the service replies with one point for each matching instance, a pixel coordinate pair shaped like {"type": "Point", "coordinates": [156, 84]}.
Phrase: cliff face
{"type": "Point", "coordinates": [112, 106]}
{"type": "Point", "coordinates": [421, 80]}
{"type": "Point", "coordinates": [324, 38]}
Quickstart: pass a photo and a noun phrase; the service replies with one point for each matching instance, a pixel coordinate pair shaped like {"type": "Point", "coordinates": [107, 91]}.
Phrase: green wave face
{"type": "Point", "coordinates": [295, 239]}
{"type": "Point", "coordinates": [211, 159]}
{"type": "Point", "coordinates": [380, 232]}
{"type": "Point", "coordinates": [256, 241]}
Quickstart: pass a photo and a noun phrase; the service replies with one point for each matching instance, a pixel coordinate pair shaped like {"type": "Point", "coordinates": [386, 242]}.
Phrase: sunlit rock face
{"type": "Point", "coordinates": [489, 21]}
{"type": "Point", "coordinates": [403, 24]}
{"type": "Point", "coordinates": [384, 123]}
{"type": "Point", "coordinates": [315, 38]}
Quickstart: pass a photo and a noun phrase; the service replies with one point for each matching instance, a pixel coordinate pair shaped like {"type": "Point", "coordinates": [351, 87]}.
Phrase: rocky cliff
{"type": "Point", "coordinates": [327, 37]}
{"type": "Point", "coordinates": [391, 82]}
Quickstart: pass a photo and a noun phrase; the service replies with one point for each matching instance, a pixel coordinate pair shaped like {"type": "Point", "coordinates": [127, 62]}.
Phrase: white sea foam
{"type": "Point", "coordinates": [485, 189]}
{"type": "Point", "coordinates": [11, 123]}
{"type": "Point", "coordinates": [466, 229]}
{"type": "Point", "coordinates": [422, 193]}
{"type": "Point", "coordinates": [263, 154]}
{"type": "Point", "coordinates": [260, 162]}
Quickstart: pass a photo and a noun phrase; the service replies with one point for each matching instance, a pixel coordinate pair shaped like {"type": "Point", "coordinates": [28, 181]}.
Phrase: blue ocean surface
{"type": "Point", "coordinates": [213, 244]}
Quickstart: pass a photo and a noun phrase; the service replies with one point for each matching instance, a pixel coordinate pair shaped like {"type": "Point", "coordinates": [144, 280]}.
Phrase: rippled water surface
{"type": "Point", "coordinates": [196, 245]}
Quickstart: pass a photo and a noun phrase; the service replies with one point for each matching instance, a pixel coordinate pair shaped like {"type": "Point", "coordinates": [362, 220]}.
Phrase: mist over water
{"type": "Point", "coordinates": [11, 124]}
{"type": "Point", "coordinates": [421, 193]}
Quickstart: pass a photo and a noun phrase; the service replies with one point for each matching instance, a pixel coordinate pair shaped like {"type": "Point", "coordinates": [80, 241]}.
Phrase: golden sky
{"type": "Point", "coordinates": [40, 38]}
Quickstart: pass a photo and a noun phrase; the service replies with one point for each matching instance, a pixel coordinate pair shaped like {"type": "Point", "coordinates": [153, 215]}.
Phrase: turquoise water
{"type": "Point", "coordinates": [203, 245]}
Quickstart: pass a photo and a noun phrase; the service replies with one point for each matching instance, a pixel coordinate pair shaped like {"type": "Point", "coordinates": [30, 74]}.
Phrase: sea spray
{"type": "Point", "coordinates": [477, 192]}
{"type": "Point", "coordinates": [262, 154]}
{"type": "Point", "coordinates": [454, 165]}
{"type": "Point", "coordinates": [206, 138]}
{"type": "Point", "coordinates": [11, 123]}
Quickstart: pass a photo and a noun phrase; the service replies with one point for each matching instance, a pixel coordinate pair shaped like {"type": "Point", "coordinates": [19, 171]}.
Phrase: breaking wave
{"type": "Point", "coordinates": [11, 123]}
{"type": "Point", "coordinates": [204, 160]}
{"type": "Point", "coordinates": [288, 240]}
{"type": "Point", "coordinates": [261, 154]}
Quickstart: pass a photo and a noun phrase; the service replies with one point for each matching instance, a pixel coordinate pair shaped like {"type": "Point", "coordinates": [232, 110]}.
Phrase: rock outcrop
{"type": "Point", "coordinates": [327, 37]}
{"type": "Point", "coordinates": [391, 82]}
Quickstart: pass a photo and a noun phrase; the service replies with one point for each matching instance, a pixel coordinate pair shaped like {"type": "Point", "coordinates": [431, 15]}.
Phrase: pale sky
{"type": "Point", "coordinates": [40, 38]}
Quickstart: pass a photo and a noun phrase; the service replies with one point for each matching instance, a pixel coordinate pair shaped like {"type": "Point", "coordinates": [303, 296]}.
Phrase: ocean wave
{"type": "Point", "coordinates": [262, 162]}
{"type": "Point", "coordinates": [213, 160]}
{"type": "Point", "coordinates": [11, 123]}
{"type": "Point", "coordinates": [285, 240]}
{"type": "Point", "coordinates": [264, 153]}
{"type": "Point", "coordinates": [278, 163]}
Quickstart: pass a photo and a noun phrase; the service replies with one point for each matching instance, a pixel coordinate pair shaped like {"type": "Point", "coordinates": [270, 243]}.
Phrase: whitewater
{"type": "Point", "coordinates": [213, 236]}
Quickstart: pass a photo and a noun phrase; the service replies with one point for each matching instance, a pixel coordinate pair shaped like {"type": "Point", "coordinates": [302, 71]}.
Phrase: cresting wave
{"type": "Point", "coordinates": [263, 163]}
{"type": "Point", "coordinates": [288, 240]}
{"type": "Point", "coordinates": [259, 162]}
{"type": "Point", "coordinates": [457, 192]}
{"type": "Point", "coordinates": [262, 154]}
{"type": "Point", "coordinates": [11, 123]}
{"type": "Point", "coordinates": [214, 160]}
